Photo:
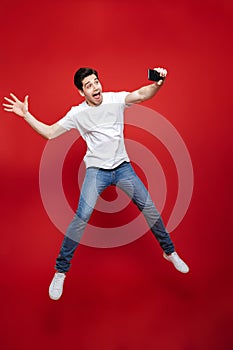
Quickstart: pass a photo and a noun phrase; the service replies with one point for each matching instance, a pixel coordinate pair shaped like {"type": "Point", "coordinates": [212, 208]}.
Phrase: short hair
{"type": "Point", "coordinates": [81, 74]}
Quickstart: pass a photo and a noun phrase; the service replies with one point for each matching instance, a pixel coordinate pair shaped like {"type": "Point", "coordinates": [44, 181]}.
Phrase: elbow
{"type": "Point", "coordinates": [49, 136]}
{"type": "Point", "coordinates": [46, 136]}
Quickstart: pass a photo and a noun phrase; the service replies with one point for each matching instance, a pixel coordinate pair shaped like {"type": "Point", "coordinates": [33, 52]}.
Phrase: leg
{"type": "Point", "coordinates": [129, 182]}
{"type": "Point", "coordinates": [93, 185]}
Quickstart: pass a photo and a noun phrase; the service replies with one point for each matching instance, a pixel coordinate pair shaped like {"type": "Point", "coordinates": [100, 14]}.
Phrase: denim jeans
{"type": "Point", "coordinates": [96, 180]}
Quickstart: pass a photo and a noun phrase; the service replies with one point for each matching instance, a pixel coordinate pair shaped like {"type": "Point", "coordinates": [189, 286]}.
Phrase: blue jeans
{"type": "Point", "coordinates": [96, 180]}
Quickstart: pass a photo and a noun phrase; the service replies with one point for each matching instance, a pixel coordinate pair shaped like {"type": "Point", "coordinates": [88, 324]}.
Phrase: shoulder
{"type": "Point", "coordinates": [115, 97]}
{"type": "Point", "coordinates": [79, 108]}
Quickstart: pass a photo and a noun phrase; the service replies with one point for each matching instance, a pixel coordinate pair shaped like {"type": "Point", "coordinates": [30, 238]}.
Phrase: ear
{"type": "Point", "coordinates": [81, 92]}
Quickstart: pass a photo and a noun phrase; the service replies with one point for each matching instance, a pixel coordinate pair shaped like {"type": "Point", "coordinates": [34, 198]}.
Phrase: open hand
{"type": "Point", "coordinates": [16, 106]}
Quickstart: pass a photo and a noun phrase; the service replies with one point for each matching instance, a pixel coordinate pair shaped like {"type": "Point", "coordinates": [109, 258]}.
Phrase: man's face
{"type": "Point", "coordinates": [92, 90]}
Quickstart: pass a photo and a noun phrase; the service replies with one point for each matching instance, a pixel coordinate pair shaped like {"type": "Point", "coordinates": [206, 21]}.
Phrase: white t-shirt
{"type": "Point", "coordinates": [102, 128]}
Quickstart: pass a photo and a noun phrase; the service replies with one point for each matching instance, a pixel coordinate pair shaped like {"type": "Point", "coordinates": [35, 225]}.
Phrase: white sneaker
{"type": "Point", "coordinates": [56, 286]}
{"type": "Point", "coordinates": [177, 262]}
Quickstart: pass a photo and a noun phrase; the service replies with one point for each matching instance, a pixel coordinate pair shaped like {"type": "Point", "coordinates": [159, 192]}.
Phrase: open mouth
{"type": "Point", "coordinates": [96, 95]}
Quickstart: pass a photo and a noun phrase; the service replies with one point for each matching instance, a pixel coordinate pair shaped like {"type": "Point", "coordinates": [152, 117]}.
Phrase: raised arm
{"type": "Point", "coordinates": [148, 91]}
{"type": "Point", "coordinates": [21, 109]}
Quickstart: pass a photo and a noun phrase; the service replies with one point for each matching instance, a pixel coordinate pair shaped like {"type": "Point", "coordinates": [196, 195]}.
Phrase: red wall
{"type": "Point", "coordinates": [126, 297]}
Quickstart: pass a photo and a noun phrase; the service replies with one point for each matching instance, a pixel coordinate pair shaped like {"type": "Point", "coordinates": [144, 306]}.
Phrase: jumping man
{"type": "Point", "coordinates": [100, 121]}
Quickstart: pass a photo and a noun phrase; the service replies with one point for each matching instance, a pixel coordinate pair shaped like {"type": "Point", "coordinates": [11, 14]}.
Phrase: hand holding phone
{"type": "Point", "coordinates": [155, 75]}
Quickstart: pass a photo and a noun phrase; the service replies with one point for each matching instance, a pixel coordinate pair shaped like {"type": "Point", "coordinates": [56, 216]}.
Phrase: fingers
{"type": "Point", "coordinates": [26, 100]}
{"type": "Point", "coordinates": [15, 105]}
{"type": "Point", "coordinates": [161, 71]}
{"type": "Point", "coordinates": [11, 101]}
{"type": "Point", "coordinates": [7, 99]}
{"type": "Point", "coordinates": [14, 101]}
{"type": "Point", "coordinates": [160, 82]}
{"type": "Point", "coordinates": [14, 97]}
{"type": "Point", "coordinates": [6, 105]}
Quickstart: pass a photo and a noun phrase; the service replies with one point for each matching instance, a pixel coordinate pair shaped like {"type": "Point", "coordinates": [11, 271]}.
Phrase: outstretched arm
{"type": "Point", "coordinates": [21, 109]}
{"type": "Point", "coordinates": [146, 92]}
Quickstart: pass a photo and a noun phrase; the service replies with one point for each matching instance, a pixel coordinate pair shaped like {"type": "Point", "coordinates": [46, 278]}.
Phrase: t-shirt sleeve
{"type": "Point", "coordinates": [67, 122]}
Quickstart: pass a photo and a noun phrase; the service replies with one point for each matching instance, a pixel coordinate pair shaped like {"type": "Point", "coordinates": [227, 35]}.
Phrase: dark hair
{"type": "Point", "coordinates": [81, 74]}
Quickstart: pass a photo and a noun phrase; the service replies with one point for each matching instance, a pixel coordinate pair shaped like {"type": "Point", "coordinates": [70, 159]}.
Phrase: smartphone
{"type": "Point", "coordinates": [153, 75]}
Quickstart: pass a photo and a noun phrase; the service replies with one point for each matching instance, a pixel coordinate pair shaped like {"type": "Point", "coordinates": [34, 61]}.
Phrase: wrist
{"type": "Point", "coordinates": [26, 115]}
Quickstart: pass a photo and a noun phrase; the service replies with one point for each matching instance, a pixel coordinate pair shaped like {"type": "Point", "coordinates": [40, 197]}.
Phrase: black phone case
{"type": "Point", "coordinates": [153, 75]}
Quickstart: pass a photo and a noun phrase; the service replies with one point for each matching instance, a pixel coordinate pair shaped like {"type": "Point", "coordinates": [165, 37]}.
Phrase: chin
{"type": "Point", "coordinates": [97, 103]}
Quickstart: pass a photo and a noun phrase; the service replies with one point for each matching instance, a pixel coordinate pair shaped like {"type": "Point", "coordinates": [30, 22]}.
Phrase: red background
{"type": "Point", "coordinates": [126, 297]}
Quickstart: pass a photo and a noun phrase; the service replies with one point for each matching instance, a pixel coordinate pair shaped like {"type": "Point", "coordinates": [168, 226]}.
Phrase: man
{"type": "Point", "coordinates": [100, 121]}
